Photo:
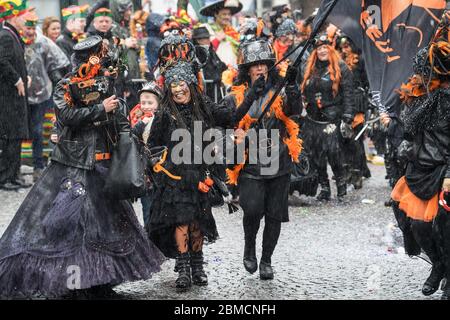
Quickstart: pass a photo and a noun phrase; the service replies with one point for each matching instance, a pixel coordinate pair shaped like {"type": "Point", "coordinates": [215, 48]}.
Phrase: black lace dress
{"type": "Point", "coordinates": [179, 202]}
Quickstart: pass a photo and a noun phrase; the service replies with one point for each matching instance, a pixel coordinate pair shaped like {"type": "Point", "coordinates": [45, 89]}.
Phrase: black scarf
{"type": "Point", "coordinates": [423, 113]}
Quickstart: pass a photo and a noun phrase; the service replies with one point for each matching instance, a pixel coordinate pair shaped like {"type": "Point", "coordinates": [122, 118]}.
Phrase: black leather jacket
{"type": "Point", "coordinates": [429, 147]}
{"type": "Point", "coordinates": [434, 148]}
{"type": "Point", "coordinates": [319, 87]}
{"type": "Point", "coordinates": [84, 131]}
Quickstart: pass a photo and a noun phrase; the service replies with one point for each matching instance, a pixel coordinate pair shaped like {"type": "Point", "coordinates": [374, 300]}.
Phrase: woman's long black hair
{"type": "Point", "coordinates": [200, 111]}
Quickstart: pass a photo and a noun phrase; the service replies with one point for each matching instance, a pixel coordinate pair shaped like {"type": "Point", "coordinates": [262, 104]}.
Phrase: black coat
{"type": "Point", "coordinates": [14, 113]}
{"type": "Point", "coordinates": [66, 43]}
{"type": "Point", "coordinates": [291, 107]}
{"type": "Point", "coordinates": [427, 129]}
{"type": "Point", "coordinates": [333, 109]}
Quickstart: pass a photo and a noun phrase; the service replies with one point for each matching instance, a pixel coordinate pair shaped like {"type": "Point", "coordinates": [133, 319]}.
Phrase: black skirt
{"type": "Point", "coordinates": [68, 234]}
{"type": "Point", "coordinates": [175, 205]}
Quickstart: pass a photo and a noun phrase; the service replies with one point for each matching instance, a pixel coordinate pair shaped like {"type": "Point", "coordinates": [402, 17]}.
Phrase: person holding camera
{"type": "Point", "coordinates": [70, 238]}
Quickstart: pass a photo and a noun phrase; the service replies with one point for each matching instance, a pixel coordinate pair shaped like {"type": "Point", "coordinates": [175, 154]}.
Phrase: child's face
{"type": "Point", "coordinates": [149, 102]}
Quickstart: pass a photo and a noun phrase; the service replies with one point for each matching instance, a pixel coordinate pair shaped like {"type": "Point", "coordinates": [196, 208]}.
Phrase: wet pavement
{"type": "Point", "coordinates": [350, 250]}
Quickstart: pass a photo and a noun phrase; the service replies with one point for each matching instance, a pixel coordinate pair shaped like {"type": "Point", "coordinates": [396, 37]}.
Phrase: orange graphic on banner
{"type": "Point", "coordinates": [389, 11]}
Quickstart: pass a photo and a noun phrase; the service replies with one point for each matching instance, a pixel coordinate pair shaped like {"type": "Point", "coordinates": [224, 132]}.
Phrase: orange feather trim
{"type": "Point", "coordinates": [293, 142]}
{"type": "Point", "coordinates": [417, 88]}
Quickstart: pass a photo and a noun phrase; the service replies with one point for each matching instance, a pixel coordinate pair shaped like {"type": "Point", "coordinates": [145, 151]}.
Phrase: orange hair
{"type": "Point", "coordinates": [333, 68]}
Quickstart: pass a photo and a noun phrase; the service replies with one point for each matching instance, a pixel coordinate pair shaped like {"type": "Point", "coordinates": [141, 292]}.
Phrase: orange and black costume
{"type": "Point", "coordinates": [264, 193]}
{"type": "Point", "coordinates": [426, 119]}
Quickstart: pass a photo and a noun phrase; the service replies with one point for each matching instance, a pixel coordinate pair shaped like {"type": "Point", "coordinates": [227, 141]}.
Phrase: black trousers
{"type": "Point", "coordinates": [266, 198]}
{"type": "Point", "coordinates": [9, 159]}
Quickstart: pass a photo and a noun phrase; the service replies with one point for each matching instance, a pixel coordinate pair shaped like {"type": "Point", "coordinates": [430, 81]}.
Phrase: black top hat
{"type": "Point", "coordinates": [84, 49]}
{"type": "Point", "coordinates": [256, 52]}
{"type": "Point", "coordinates": [200, 33]}
{"type": "Point", "coordinates": [210, 10]}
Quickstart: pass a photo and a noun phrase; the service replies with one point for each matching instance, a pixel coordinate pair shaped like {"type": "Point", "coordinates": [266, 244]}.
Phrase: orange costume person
{"type": "Point", "coordinates": [263, 189]}
{"type": "Point", "coordinates": [423, 220]}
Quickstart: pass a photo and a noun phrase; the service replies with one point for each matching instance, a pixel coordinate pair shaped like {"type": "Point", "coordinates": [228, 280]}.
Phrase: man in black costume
{"type": "Point", "coordinates": [213, 67]}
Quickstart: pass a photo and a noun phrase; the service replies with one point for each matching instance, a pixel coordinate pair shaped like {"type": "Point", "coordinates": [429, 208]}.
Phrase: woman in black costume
{"type": "Point", "coordinates": [181, 216]}
{"type": "Point", "coordinates": [68, 236]}
{"type": "Point", "coordinates": [328, 91]}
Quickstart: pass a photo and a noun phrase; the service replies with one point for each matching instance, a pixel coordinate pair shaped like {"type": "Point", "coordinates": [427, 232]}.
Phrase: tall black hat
{"type": "Point", "coordinates": [210, 10]}
{"type": "Point", "coordinates": [256, 52]}
{"type": "Point", "coordinates": [90, 46]}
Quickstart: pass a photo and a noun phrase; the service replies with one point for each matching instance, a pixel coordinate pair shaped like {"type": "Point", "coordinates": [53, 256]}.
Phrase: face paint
{"type": "Point", "coordinates": [180, 92]}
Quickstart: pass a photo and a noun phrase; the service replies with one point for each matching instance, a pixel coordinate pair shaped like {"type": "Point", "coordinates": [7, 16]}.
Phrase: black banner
{"type": "Point", "coordinates": [389, 33]}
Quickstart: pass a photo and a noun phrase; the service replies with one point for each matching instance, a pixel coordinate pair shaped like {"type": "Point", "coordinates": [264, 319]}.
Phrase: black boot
{"type": "Point", "coordinates": [251, 227]}
{"type": "Point", "coordinates": [431, 285]}
{"type": "Point", "coordinates": [325, 191]}
{"type": "Point", "coordinates": [341, 189]}
{"type": "Point", "coordinates": [265, 271]}
{"type": "Point", "coordinates": [199, 276]}
{"type": "Point", "coordinates": [271, 235]}
{"type": "Point", "coordinates": [357, 180]}
{"type": "Point", "coordinates": [184, 271]}
{"type": "Point", "coordinates": [250, 261]}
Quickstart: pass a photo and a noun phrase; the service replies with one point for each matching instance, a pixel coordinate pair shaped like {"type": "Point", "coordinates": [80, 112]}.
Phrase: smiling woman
{"type": "Point", "coordinates": [180, 92]}
{"type": "Point", "coordinates": [181, 216]}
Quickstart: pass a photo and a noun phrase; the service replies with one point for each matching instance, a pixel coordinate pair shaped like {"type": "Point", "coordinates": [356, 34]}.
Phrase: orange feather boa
{"type": "Point", "coordinates": [292, 141]}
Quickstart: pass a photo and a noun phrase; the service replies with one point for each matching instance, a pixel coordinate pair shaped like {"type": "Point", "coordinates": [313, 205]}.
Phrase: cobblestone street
{"type": "Point", "coordinates": [327, 251]}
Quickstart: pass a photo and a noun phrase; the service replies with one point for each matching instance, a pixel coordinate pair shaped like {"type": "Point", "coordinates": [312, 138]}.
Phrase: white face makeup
{"type": "Point", "coordinates": [180, 92]}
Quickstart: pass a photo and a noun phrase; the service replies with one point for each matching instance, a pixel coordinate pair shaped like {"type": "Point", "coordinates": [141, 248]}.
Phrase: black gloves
{"type": "Point", "coordinates": [346, 130]}
{"type": "Point", "coordinates": [257, 89]}
{"type": "Point", "coordinates": [254, 93]}
{"type": "Point", "coordinates": [291, 75]}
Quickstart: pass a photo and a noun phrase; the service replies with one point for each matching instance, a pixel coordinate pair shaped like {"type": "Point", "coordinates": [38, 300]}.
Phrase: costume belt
{"type": "Point", "coordinates": [159, 168]}
{"type": "Point", "coordinates": [319, 122]}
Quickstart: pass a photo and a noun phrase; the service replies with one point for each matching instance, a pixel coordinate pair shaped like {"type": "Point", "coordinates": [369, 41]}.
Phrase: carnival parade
{"type": "Point", "coordinates": [225, 149]}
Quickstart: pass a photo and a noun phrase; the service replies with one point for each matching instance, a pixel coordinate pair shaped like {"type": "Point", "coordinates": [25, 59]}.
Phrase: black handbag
{"type": "Point", "coordinates": [126, 178]}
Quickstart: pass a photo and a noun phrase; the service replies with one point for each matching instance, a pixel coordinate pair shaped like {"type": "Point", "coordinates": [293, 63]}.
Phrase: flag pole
{"type": "Point", "coordinates": [298, 61]}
